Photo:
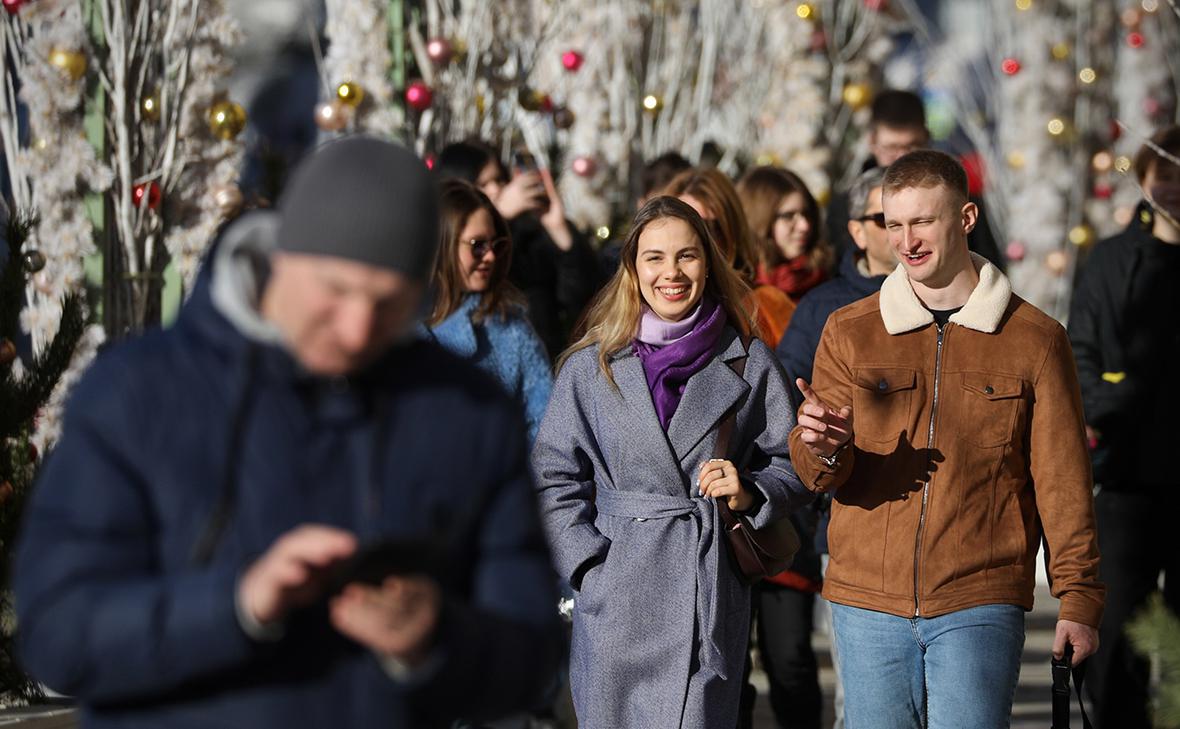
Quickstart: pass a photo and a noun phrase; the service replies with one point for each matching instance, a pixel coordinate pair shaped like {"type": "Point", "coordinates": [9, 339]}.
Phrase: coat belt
{"type": "Point", "coordinates": [643, 506]}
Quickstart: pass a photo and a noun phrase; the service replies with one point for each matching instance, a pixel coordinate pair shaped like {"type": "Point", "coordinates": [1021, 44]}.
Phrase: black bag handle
{"type": "Point", "coordinates": [1062, 670]}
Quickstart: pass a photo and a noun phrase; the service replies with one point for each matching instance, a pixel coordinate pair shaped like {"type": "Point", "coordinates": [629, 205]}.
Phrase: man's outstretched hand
{"type": "Point", "coordinates": [825, 430]}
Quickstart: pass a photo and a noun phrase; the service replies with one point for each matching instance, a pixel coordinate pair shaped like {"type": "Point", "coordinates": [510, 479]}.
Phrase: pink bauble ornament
{"type": "Point", "coordinates": [419, 96]}
{"type": "Point", "coordinates": [333, 116]}
{"type": "Point", "coordinates": [439, 51]}
{"type": "Point", "coordinates": [1015, 251]}
{"type": "Point", "coordinates": [584, 166]}
{"type": "Point", "coordinates": [572, 60]}
{"type": "Point", "coordinates": [1010, 66]}
{"type": "Point", "coordinates": [1057, 262]}
{"type": "Point", "coordinates": [1135, 39]}
{"type": "Point", "coordinates": [13, 6]}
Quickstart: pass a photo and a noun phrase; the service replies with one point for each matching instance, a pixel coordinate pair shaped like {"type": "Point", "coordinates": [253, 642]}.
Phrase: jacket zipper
{"type": "Point", "coordinates": [926, 486]}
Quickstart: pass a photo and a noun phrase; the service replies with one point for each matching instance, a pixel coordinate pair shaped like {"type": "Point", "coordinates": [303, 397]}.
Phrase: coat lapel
{"type": "Point", "coordinates": [645, 424]}
{"type": "Point", "coordinates": [708, 395]}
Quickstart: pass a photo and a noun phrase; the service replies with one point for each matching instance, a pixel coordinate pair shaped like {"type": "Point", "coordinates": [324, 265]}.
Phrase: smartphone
{"type": "Point", "coordinates": [402, 556]}
{"type": "Point", "coordinates": [523, 161]}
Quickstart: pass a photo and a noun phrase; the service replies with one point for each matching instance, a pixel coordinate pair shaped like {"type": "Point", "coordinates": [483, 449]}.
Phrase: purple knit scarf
{"type": "Point", "coordinates": [672, 352]}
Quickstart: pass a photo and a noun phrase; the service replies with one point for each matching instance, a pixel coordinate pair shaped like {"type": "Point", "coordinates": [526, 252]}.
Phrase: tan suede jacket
{"type": "Point", "coordinates": [968, 445]}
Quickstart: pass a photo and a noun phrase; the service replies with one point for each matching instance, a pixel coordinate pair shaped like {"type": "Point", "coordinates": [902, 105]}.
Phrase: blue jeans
{"type": "Point", "coordinates": [957, 670]}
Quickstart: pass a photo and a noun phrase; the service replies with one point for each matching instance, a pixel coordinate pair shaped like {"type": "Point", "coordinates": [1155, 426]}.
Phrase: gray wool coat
{"type": "Point", "coordinates": [661, 619]}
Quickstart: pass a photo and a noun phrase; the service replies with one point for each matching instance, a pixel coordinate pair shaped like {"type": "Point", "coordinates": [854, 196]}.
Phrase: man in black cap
{"type": "Point", "coordinates": [285, 511]}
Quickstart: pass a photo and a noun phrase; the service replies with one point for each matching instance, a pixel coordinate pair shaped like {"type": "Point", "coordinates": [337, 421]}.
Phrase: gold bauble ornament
{"type": "Point", "coordinates": [1056, 127]}
{"type": "Point", "coordinates": [806, 11]}
{"type": "Point", "coordinates": [768, 159]}
{"type": "Point", "coordinates": [1122, 164]}
{"type": "Point", "coordinates": [1102, 161]}
{"type": "Point", "coordinates": [149, 108]}
{"type": "Point", "coordinates": [350, 93]}
{"type": "Point", "coordinates": [481, 104]}
{"type": "Point", "coordinates": [71, 63]}
{"type": "Point", "coordinates": [1060, 51]}
{"type": "Point", "coordinates": [1087, 75]}
{"type": "Point", "coordinates": [227, 119]}
{"type": "Point", "coordinates": [857, 96]}
{"type": "Point", "coordinates": [652, 104]}
{"type": "Point", "coordinates": [603, 232]}
{"type": "Point", "coordinates": [1016, 160]}
{"type": "Point", "coordinates": [1081, 235]}
{"type": "Point", "coordinates": [1023, 4]}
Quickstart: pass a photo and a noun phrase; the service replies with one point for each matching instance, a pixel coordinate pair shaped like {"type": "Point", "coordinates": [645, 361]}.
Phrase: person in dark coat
{"type": "Point", "coordinates": [201, 548]}
{"type": "Point", "coordinates": [1122, 326]}
{"type": "Point", "coordinates": [553, 265]}
{"type": "Point", "coordinates": [786, 602]}
{"type": "Point", "coordinates": [898, 126]}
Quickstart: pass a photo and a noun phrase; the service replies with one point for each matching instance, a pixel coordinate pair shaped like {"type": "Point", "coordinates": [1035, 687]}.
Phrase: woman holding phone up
{"type": "Point", "coordinates": [628, 472]}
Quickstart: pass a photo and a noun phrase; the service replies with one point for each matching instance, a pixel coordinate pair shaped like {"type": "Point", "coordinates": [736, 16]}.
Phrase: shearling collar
{"type": "Point", "coordinates": [903, 312]}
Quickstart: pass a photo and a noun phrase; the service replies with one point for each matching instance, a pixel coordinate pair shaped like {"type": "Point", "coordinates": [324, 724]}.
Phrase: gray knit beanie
{"type": "Point", "coordinates": [365, 200]}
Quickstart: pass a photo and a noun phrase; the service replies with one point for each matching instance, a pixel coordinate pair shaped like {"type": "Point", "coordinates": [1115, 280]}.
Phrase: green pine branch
{"type": "Point", "coordinates": [1155, 633]}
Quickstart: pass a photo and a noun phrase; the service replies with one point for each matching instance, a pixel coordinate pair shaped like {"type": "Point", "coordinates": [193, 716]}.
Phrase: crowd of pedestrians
{"type": "Point", "coordinates": [405, 410]}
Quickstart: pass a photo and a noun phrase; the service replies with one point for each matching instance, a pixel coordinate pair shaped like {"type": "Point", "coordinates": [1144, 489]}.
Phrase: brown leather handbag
{"type": "Point", "coordinates": [758, 553]}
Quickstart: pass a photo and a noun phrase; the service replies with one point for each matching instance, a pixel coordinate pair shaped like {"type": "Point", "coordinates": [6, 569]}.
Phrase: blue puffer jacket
{"type": "Point", "coordinates": [797, 348]}
{"type": "Point", "coordinates": [115, 610]}
{"type": "Point", "coordinates": [508, 348]}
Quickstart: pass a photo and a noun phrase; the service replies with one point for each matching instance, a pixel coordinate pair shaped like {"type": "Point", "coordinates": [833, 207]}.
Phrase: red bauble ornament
{"type": "Point", "coordinates": [1015, 251]}
{"type": "Point", "coordinates": [819, 40]}
{"type": "Point", "coordinates": [13, 6]}
{"type": "Point", "coordinates": [440, 51]}
{"type": "Point", "coordinates": [1010, 66]}
{"type": "Point", "coordinates": [572, 60]}
{"type": "Point", "coordinates": [584, 166]}
{"type": "Point", "coordinates": [1103, 191]}
{"type": "Point", "coordinates": [431, 161]}
{"type": "Point", "coordinates": [1115, 131]}
{"type": "Point", "coordinates": [149, 191]}
{"type": "Point", "coordinates": [877, 5]}
{"type": "Point", "coordinates": [547, 104]}
{"type": "Point", "coordinates": [1135, 40]}
{"type": "Point", "coordinates": [419, 96]}
{"type": "Point", "coordinates": [1151, 106]}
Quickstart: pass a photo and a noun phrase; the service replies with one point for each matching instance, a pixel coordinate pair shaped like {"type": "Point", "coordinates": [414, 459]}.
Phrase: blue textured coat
{"type": "Point", "coordinates": [508, 348]}
{"type": "Point", "coordinates": [114, 610]}
{"type": "Point", "coordinates": [661, 620]}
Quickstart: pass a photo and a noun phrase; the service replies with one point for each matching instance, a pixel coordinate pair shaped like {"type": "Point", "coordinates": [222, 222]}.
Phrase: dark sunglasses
{"type": "Point", "coordinates": [481, 246]}
{"type": "Point", "coordinates": [877, 218]}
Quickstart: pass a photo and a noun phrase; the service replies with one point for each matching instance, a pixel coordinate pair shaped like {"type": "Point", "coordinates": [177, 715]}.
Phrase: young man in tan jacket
{"type": "Point", "coordinates": [969, 446]}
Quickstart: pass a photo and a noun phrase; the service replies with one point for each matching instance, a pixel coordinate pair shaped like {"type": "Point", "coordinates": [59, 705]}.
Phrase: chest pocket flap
{"type": "Point", "coordinates": [993, 387]}
{"type": "Point", "coordinates": [886, 380]}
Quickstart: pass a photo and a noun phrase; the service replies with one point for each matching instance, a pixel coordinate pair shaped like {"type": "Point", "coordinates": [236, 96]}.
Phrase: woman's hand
{"type": "Point", "coordinates": [719, 478]}
{"type": "Point", "coordinates": [524, 193]}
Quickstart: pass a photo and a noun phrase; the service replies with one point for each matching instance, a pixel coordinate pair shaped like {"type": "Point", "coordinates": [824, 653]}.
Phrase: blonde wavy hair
{"type": "Point", "coordinates": [613, 318]}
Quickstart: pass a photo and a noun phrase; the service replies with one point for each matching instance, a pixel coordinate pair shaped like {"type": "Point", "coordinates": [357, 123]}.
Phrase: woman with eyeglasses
{"type": "Point", "coordinates": [629, 472]}
{"type": "Point", "coordinates": [477, 313]}
{"type": "Point", "coordinates": [553, 264]}
{"type": "Point", "coordinates": [713, 196]}
{"type": "Point", "coordinates": [793, 256]}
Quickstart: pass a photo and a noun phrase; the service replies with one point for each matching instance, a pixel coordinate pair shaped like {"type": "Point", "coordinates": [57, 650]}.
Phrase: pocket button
{"type": "Point", "coordinates": [883, 385]}
{"type": "Point", "coordinates": [989, 390]}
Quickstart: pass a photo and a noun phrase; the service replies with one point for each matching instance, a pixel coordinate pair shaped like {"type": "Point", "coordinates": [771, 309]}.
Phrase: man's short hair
{"type": "Point", "coordinates": [926, 168]}
{"type": "Point", "coordinates": [660, 171]}
{"type": "Point", "coordinates": [1167, 139]}
{"type": "Point", "coordinates": [898, 109]}
{"type": "Point", "coordinates": [858, 194]}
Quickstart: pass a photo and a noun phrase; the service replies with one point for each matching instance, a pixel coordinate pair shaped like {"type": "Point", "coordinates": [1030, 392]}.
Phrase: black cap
{"type": "Point", "coordinates": [365, 200]}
